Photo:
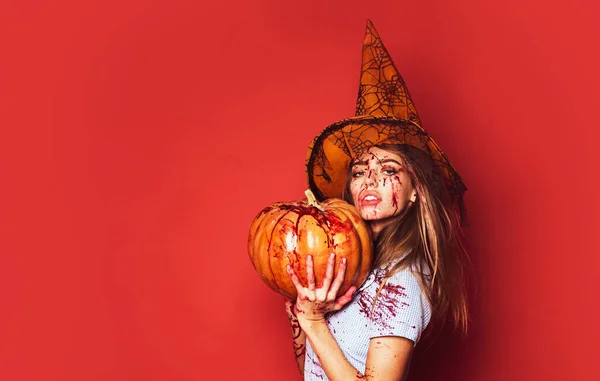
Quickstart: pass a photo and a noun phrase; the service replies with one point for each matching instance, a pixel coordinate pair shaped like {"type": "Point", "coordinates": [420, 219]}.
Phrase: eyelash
{"type": "Point", "coordinates": [392, 172]}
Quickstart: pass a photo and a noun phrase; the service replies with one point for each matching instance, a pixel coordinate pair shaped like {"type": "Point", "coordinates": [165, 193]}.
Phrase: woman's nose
{"type": "Point", "coordinates": [372, 179]}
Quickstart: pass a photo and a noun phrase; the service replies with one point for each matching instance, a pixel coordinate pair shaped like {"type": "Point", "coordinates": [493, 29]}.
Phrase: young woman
{"type": "Point", "coordinates": [370, 333]}
{"type": "Point", "coordinates": [402, 184]}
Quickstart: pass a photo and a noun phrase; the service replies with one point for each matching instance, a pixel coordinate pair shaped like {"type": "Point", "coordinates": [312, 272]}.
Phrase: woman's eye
{"type": "Point", "coordinates": [358, 173]}
{"type": "Point", "coordinates": [389, 171]}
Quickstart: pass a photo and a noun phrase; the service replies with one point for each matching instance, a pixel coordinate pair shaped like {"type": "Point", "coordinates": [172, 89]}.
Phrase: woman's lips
{"type": "Point", "coordinates": [369, 202]}
{"type": "Point", "coordinates": [370, 199]}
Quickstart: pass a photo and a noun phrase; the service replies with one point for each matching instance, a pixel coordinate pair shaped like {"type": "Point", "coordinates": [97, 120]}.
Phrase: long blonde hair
{"type": "Point", "coordinates": [426, 236]}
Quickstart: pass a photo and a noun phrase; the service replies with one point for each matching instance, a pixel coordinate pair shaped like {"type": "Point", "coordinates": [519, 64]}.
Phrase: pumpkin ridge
{"type": "Point", "coordinates": [349, 224]}
{"type": "Point", "coordinates": [318, 221]}
{"type": "Point", "coordinates": [260, 226]}
{"type": "Point", "coordinates": [287, 254]}
{"type": "Point", "coordinates": [293, 257]}
{"type": "Point", "coordinates": [262, 252]}
{"type": "Point", "coordinates": [360, 257]}
{"type": "Point", "coordinates": [366, 251]}
{"type": "Point", "coordinates": [254, 229]}
{"type": "Point", "coordinates": [269, 248]}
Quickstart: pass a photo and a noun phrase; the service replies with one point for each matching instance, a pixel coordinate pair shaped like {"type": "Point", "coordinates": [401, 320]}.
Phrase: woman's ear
{"type": "Point", "coordinates": [413, 197]}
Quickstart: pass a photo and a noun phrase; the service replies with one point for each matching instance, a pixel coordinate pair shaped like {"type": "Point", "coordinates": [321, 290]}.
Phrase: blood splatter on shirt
{"type": "Point", "coordinates": [400, 308]}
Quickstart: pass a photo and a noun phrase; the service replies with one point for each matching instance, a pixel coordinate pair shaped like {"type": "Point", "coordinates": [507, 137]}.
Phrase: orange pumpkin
{"type": "Point", "coordinates": [285, 233]}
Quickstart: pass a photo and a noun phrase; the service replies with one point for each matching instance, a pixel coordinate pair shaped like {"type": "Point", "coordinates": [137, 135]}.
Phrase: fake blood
{"type": "Point", "coordinates": [329, 222]}
{"type": "Point", "coordinates": [326, 221]}
{"type": "Point", "coordinates": [317, 367]}
{"type": "Point", "coordinates": [394, 195]}
{"type": "Point", "coordinates": [387, 304]}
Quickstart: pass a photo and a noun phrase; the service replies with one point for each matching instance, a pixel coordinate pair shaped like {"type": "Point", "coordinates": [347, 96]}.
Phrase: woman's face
{"type": "Point", "coordinates": [380, 186]}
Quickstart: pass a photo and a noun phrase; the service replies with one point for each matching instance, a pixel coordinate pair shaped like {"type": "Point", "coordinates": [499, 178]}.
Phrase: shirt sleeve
{"type": "Point", "coordinates": [401, 309]}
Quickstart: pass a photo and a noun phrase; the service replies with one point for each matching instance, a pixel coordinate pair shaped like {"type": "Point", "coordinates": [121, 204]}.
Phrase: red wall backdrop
{"type": "Point", "coordinates": [140, 138]}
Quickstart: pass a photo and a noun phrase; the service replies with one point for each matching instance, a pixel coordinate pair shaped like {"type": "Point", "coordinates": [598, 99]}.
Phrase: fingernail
{"type": "Point", "coordinates": [344, 260]}
{"type": "Point", "coordinates": [332, 255]}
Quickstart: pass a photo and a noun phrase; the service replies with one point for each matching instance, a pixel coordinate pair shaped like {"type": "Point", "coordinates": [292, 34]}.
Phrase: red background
{"type": "Point", "coordinates": [140, 138]}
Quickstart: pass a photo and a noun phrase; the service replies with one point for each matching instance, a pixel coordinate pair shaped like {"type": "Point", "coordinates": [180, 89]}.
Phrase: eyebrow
{"type": "Point", "coordinates": [389, 161]}
{"type": "Point", "coordinates": [365, 162]}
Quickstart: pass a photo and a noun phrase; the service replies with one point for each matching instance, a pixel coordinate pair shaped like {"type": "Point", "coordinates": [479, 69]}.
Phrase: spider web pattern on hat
{"type": "Point", "coordinates": [382, 91]}
{"type": "Point", "coordinates": [386, 114]}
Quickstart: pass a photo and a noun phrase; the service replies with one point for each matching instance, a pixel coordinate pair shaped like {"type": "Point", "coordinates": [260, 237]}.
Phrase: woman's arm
{"type": "Point", "coordinates": [298, 336]}
{"type": "Point", "coordinates": [388, 357]}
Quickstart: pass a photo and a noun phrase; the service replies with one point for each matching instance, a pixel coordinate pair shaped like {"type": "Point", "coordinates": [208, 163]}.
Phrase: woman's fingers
{"type": "Point", "coordinates": [339, 279]}
{"type": "Point", "coordinates": [303, 292]}
{"type": "Point", "coordinates": [330, 287]}
{"type": "Point", "coordinates": [342, 300]}
{"type": "Point", "coordinates": [295, 280]}
{"type": "Point", "coordinates": [324, 298]}
{"type": "Point", "coordinates": [329, 272]}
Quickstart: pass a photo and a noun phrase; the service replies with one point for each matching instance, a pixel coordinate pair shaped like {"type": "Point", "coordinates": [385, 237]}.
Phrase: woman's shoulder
{"type": "Point", "coordinates": [411, 276]}
{"type": "Point", "coordinates": [401, 307]}
{"type": "Point", "coordinates": [408, 275]}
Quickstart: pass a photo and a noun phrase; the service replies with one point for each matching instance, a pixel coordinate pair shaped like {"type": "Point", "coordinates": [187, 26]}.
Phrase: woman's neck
{"type": "Point", "coordinates": [377, 226]}
{"type": "Point", "coordinates": [375, 229]}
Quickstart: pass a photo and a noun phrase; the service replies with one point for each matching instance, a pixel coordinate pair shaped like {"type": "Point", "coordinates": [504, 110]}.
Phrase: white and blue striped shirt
{"type": "Point", "coordinates": [401, 309]}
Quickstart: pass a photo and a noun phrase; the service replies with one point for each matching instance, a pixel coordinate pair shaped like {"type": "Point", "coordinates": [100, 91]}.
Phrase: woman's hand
{"type": "Point", "coordinates": [314, 302]}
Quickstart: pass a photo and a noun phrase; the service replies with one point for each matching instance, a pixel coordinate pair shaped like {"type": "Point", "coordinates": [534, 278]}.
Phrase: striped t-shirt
{"type": "Point", "coordinates": [401, 309]}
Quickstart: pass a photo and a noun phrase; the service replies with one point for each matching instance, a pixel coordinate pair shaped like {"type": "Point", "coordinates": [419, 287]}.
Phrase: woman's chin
{"type": "Point", "coordinates": [370, 214]}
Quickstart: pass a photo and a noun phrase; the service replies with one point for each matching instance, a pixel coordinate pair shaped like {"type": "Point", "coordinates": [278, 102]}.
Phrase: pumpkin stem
{"type": "Point", "coordinates": [312, 200]}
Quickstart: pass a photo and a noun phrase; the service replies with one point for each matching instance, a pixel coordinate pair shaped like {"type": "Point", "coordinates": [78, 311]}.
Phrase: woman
{"type": "Point", "coordinates": [402, 184]}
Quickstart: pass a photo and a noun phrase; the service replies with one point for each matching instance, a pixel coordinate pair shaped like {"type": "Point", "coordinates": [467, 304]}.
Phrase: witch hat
{"type": "Point", "coordinates": [385, 114]}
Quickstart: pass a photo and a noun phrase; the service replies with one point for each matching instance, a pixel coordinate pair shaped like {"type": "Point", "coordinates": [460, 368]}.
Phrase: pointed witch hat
{"type": "Point", "coordinates": [385, 114]}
